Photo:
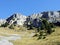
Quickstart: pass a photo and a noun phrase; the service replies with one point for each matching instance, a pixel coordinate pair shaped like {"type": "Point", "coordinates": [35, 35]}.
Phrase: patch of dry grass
{"type": "Point", "coordinates": [53, 39]}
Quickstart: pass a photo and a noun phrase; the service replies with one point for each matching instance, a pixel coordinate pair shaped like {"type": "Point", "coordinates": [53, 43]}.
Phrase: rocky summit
{"type": "Point", "coordinates": [18, 19]}
{"type": "Point", "coordinates": [51, 16]}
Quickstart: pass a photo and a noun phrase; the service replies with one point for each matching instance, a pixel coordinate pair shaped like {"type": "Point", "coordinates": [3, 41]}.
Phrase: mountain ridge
{"type": "Point", "coordinates": [19, 19]}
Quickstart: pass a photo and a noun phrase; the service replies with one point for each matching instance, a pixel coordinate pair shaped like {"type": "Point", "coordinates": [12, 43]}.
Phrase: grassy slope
{"type": "Point", "coordinates": [53, 39]}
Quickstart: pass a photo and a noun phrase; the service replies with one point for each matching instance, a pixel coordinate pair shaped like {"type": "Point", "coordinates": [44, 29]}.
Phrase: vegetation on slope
{"type": "Point", "coordinates": [52, 39]}
{"type": "Point", "coordinates": [43, 30]}
{"type": "Point", "coordinates": [44, 33]}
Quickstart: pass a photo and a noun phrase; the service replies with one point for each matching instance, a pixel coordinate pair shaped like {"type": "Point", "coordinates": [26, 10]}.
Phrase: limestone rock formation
{"type": "Point", "coordinates": [18, 19]}
{"type": "Point", "coordinates": [51, 16]}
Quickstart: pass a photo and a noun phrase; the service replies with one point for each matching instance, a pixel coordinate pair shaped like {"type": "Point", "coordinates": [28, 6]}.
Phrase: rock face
{"type": "Point", "coordinates": [19, 19]}
{"type": "Point", "coordinates": [16, 19]}
{"type": "Point", "coordinates": [51, 16]}
{"type": "Point", "coordinates": [34, 19]}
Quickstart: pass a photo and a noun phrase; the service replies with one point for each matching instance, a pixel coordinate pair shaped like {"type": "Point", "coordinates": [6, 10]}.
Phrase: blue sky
{"type": "Point", "coordinates": [27, 7]}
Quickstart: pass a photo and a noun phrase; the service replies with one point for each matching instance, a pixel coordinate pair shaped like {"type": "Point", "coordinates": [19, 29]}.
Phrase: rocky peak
{"type": "Point", "coordinates": [37, 15]}
{"type": "Point", "coordinates": [51, 16]}
{"type": "Point", "coordinates": [16, 19]}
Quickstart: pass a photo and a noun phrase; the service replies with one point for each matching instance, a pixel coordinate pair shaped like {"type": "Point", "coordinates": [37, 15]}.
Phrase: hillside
{"type": "Point", "coordinates": [27, 39]}
{"type": "Point", "coordinates": [20, 30]}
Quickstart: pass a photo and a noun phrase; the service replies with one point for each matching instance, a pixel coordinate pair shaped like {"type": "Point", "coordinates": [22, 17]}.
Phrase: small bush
{"type": "Point", "coordinates": [44, 37]}
{"type": "Point", "coordinates": [5, 24]}
{"type": "Point", "coordinates": [39, 37]}
{"type": "Point", "coordinates": [35, 35]}
{"type": "Point", "coordinates": [53, 30]}
{"type": "Point", "coordinates": [52, 25]}
{"type": "Point", "coordinates": [11, 26]}
{"type": "Point", "coordinates": [42, 27]}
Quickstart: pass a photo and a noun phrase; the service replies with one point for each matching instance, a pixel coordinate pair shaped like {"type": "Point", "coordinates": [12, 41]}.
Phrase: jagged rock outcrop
{"type": "Point", "coordinates": [34, 19]}
{"type": "Point", "coordinates": [51, 16]}
{"type": "Point", "coordinates": [18, 19]}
